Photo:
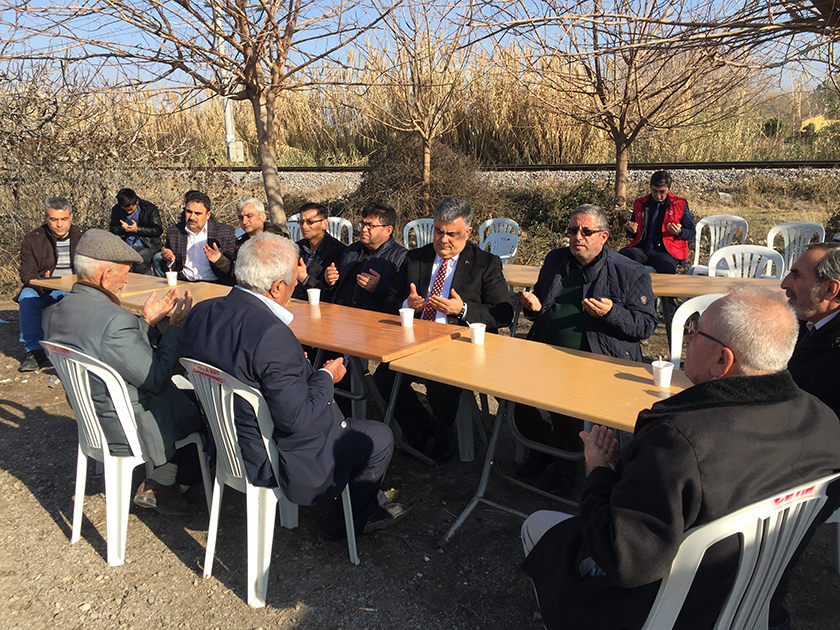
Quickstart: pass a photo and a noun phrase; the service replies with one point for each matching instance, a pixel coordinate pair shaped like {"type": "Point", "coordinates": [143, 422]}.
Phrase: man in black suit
{"type": "Point", "coordinates": [813, 290]}
{"type": "Point", "coordinates": [471, 289]}
{"type": "Point", "coordinates": [247, 335]}
{"type": "Point", "coordinates": [318, 248]}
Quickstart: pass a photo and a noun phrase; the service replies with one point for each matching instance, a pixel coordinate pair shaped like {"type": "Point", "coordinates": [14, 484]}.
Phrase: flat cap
{"type": "Point", "coordinates": [102, 245]}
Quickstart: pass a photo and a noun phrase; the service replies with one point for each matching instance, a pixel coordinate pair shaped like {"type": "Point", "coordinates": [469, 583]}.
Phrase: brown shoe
{"type": "Point", "coordinates": [165, 499]}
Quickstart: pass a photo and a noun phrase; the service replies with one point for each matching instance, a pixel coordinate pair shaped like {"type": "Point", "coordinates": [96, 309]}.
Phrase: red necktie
{"type": "Point", "coordinates": [429, 311]}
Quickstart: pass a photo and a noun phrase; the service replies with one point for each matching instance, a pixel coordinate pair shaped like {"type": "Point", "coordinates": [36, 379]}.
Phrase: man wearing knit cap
{"type": "Point", "coordinates": [91, 320]}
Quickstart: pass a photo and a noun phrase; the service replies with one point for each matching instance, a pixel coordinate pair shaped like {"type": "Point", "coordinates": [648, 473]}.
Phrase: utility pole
{"type": "Point", "coordinates": [235, 149]}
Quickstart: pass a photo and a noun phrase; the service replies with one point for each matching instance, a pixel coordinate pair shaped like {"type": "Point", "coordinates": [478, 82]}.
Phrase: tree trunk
{"type": "Point", "coordinates": [427, 175]}
{"type": "Point", "coordinates": [264, 117]}
{"type": "Point", "coordinates": [621, 158]}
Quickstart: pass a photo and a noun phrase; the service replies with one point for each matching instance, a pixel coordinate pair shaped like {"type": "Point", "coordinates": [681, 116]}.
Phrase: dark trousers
{"type": "Point", "coordinates": [559, 432]}
{"type": "Point", "coordinates": [663, 262]}
{"type": "Point", "coordinates": [362, 456]}
{"type": "Point", "coordinates": [146, 254]}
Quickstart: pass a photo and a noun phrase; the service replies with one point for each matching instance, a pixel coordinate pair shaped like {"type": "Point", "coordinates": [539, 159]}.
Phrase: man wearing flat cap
{"type": "Point", "coordinates": [90, 319]}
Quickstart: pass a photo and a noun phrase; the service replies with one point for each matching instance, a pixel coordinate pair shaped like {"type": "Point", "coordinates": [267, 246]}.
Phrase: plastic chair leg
{"type": "Point", "coordinates": [117, 498]}
{"type": "Point", "coordinates": [262, 508]}
{"type": "Point", "coordinates": [348, 525]}
{"type": "Point", "coordinates": [213, 528]}
{"type": "Point", "coordinates": [288, 513]}
{"type": "Point", "coordinates": [79, 498]}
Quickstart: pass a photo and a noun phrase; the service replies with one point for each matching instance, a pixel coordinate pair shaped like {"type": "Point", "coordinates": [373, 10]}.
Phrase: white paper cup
{"type": "Point", "coordinates": [477, 333]}
{"type": "Point", "coordinates": [407, 317]}
{"type": "Point", "coordinates": [314, 296]}
{"type": "Point", "coordinates": [662, 371]}
{"type": "Point", "coordinates": [172, 278]}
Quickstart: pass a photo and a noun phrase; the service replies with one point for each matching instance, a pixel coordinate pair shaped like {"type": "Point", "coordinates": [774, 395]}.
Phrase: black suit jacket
{"type": "Point", "coordinates": [815, 364]}
{"type": "Point", "coordinates": [478, 280]}
{"type": "Point", "coordinates": [329, 251]}
{"type": "Point", "coordinates": [242, 336]}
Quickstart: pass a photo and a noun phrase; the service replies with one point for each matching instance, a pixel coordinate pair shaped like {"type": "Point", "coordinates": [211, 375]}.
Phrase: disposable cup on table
{"type": "Point", "coordinates": [314, 296]}
{"type": "Point", "coordinates": [172, 278]}
{"type": "Point", "coordinates": [477, 333]}
{"type": "Point", "coordinates": [662, 371]}
{"type": "Point", "coordinates": [407, 317]}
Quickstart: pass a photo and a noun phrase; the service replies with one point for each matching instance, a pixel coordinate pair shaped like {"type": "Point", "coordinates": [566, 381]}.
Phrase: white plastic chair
{"type": "Point", "coordinates": [771, 530]}
{"type": "Point", "coordinates": [73, 368]}
{"type": "Point", "coordinates": [503, 245]}
{"type": "Point", "coordinates": [747, 261]}
{"type": "Point", "coordinates": [797, 236]}
{"type": "Point", "coordinates": [424, 232]}
{"type": "Point", "coordinates": [217, 390]}
{"type": "Point", "coordinates": [722, 229]}
{"type": "Point", "coordinates": [496, 226]}
{"type": "Point", "coordinates": [293, 223]}
{"type": "Point", "coordinates": [687, 309]}
{"type": "Point", "coordinates": [336, 226]}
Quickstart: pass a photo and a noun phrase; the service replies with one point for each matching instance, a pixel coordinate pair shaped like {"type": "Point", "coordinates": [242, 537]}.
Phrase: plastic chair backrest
{"type": "Point", "coordinates": [75, 368]}
{"type": "Point", "coordinates": [687, 309]}
{"type": "Point", "coordinates": [722, 229]}
{"type": "Point", "coordinates": [216, 391]}
{"type": "Point", "coordinates": [748, 261]}
{"type": "Point", "coordinates": [797, 235]}
{"type": "Point", "coordinates": [424, 232]}
{"type": "Point", "coordinates": [771, 530]}
{"type": "Point", "coordinates": [293, 223]}
{"type": "Point", "coordinates": [496, 226]}
{"type": "Point", "coordinates": [503, 245]}
{"type": "Point", "coordinates": [337, 225]}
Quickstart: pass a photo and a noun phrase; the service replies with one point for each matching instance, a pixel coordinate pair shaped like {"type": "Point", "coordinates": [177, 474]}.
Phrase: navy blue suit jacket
{"type": "Point", "coordinates": [241, 336]}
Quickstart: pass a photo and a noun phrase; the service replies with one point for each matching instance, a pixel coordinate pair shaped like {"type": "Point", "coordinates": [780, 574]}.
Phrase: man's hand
{"type": "Point", "coordinates": [331, 275]}
{"type": "Point", "coordinates": [368, 281]}
{"type": "Point", "coordinates": [336, 368]}
{"type": "Point", "coordinates": [451, 306]}
{"type": "Point", "coordinates": [212, 252]}
{"type": "Point", "coordinates": [47, 273]}
{"type": "Point", "coordinates": [128, 227]}
{"type": "Point", "coordinates": [302, 271]}
{"type": "Point", "coordinates": [182, 309]}
{"type": "Point", "coordinates": [674, 228]}
{"type": "Point", "coordinates": [597, 307]}
{"type": "Point", "coordinates": [155, 309]}
{"type": "Point", "coordinates": [599, 447]}
{"type": "Point", "coordinates": [415, 300]}
{"type": "Point", "coordinates": [632, 227]}
{"type": "Point", "coordinates": [530, 301]}
{"type": "Point", "coordinates": [167, 254]}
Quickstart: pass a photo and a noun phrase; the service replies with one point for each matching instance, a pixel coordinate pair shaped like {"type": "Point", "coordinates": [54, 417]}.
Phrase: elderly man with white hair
{"type": "Point", "coordinates": [90, 319]}
{"type": "Point", "coordinates": [247, 334]}
{"type": "Point", "coordinates": [744, 432]}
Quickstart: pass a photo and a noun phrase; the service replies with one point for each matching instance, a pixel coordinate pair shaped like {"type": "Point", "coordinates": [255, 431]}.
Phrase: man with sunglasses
{"type": "Point", "coordinates": [587, 297]}
{"type": "Point", "coordinates": [365, 270]}
{"type": "Point", "coordinates": [660, 227]}
{"type": "Point", "coordinates": [744, 432]}
{"type": "Point", "coordinates": [318, 248]}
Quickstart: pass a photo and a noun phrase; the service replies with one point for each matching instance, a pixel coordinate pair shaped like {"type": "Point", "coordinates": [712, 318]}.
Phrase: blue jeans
{"type": "Point", "coordinates": [31, 303]}
{"type": "Point", "coordinates": [159, 266]}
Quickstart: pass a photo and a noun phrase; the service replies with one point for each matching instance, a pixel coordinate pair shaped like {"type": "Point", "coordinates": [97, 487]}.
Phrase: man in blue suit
{"type": "Point", "coordinates": [247, 335]}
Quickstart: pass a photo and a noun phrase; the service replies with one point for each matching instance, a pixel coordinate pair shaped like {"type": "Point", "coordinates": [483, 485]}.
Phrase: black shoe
{"type": "Point", "coordinates": [35, 360]}
{"type": "Point", "coordinates": [533, 465]}
{"type": "Point", "coordinates": [385, 516]}
{"type": "Point", "coordinates": [443, 452]}
{"type": "Point", "coordinates": [561, 483]}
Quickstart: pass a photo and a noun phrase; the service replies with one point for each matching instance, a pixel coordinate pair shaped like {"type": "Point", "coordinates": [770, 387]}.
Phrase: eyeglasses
{"type": "Point", "coordinates": [311, 221]}
{"type": "Point", "coordinates": [368, 226]}
{"type": "Point", "coordinates": [586, 232]}
{"type": "Point", "coordinates": [690, 328]}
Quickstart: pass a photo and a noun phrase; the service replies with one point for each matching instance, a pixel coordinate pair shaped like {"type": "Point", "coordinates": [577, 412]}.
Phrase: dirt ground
{"type": "Point", "coordinates": [404, 581]}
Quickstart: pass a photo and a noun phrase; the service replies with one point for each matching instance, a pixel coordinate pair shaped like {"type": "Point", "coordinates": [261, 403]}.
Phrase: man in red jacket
{"type": "Point", "coordinates": [660, 227]}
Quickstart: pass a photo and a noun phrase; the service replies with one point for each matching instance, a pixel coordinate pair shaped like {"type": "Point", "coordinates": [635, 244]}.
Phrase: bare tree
{"type": "Point", "coordinates": [244, 50]}
{"type": "Point", "coordinates": [418, 72]}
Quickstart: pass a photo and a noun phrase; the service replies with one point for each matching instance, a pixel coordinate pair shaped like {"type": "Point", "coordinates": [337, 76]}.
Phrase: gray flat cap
{"type": "Point", "coordinates": [102, 245]}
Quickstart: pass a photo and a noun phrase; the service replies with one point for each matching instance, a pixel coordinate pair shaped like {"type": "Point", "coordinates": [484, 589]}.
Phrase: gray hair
{"type": "Point", "coordinates": [759, 327]}
{"type": "Point", "coordinates": [86, 267]}
{"type": "Point", "coordinates": [601, 219]}
{"type": "Point", "coordinates": [829, 267]}
{"type": "Point", "coordinates": [57, 203]}
{"type": "Point", "coordinates": [453, 208]}
{"type": "Point", "coordinates": [252, 201]}
{"type": "Point", "coordinates": [264, 259]}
